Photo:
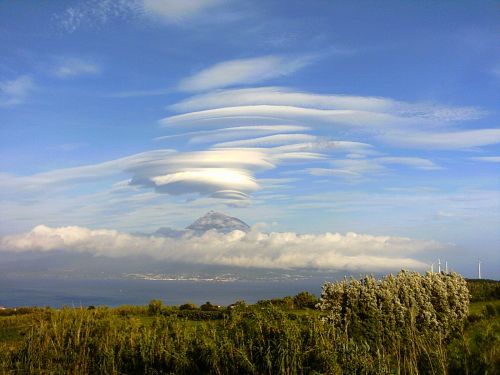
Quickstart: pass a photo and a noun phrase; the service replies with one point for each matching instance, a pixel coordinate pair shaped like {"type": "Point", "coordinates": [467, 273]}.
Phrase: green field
{"type": "Point", "coordinates": [282, 336]}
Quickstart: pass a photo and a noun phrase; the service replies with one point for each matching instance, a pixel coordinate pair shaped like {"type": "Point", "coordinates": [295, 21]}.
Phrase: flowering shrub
{"type": "Point", "coordinates": [399, 321]}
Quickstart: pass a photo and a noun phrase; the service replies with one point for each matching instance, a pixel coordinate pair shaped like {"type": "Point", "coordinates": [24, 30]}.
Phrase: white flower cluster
{"type": "Point", "coordinates": [397, 307]}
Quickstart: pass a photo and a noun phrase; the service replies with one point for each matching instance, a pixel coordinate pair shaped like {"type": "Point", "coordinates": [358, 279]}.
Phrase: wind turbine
{"type": "Point", "coordinates": [479, 269]}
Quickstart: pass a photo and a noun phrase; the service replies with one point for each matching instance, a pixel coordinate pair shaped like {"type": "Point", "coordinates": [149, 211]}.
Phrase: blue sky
{"type": "Point", "coordinates": [309, 117]}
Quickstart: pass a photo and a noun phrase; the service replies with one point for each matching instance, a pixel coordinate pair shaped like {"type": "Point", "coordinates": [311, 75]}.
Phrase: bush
{"type": "Point", "coordinates": [21, 310]}
{"type": "Point", "coordinates": [201, 315]}
{"type": "Point", "coordinates": [483, 290]}
{"type": "Point", "coordinates": [129, 310]}
{"type": "Point", "coordinates": [305, 300]}
{"type": "Point", "coordinates": [207, 306]}
{"type": "Point", "coordinates": [397, 321]}
{"type": "Point", "coordinates": [489, 310]}
{"type": "Point", "coordinates": [286, 303]}
{"type": "Point", "coordinates": [237, 306]}
{"type": "Point", "coordinates": [155, 307]}
{"type": "Point", "coordinates": [188, 306]}
{"type": "Point", "coordinates": [476, 351]}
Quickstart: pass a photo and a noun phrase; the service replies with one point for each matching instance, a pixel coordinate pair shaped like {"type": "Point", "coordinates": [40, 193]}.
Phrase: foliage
{"type": "Point", "coordinates": [207, 306]}
{"type": "Point", "coordinates": [200, 315]}
{"type": "Point", "coordinates": [238, 305]}
{"type": "Point", "coordinates": [155, 307]}
{"type": "Point", "coordinates": [94, 341]}
{"type": "Point", "coordinates": [401, 321]}
{"type": "Point", "coordinates": [305, 300]}
{"type": "Point", "coordinates": [188, 306]}
{"type": "Point", "coordinates": [20, 311]}
{"type": "Point", "coordinates": [300, 301]}
{"type": "Point", "coordinates": [483, 290]}
{"type": "Point", "coordinates": [477, 350]}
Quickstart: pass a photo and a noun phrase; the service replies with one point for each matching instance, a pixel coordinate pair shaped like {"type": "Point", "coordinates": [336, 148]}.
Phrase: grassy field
{"type": "Point", "coordinates": [478, 308]}
{"type": "Point", "coordinates": [281, 336]}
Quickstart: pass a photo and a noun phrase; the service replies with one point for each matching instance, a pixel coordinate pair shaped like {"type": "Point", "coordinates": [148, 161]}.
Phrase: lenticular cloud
{"type": "Point", "coordinates": [287, 250]}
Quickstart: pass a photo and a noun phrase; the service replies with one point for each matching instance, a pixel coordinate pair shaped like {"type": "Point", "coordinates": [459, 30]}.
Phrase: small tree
{"type": "Point", "coordinates": [188, 306]}
{"type": "Point", "coordinates": [155, 307]}
{"type": "Point", "coordinates": [207, 306]}
{"type": "Point", "coordinates": [305, 300]}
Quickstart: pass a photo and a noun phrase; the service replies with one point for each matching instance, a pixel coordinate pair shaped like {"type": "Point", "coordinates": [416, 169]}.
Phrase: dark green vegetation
{"type": "Point", "coordinates": [483, 290]}
{"type": "Point", "coordinates": [406, 324]}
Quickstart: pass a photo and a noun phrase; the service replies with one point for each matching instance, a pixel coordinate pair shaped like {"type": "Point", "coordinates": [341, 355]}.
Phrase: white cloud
{"type": "Point", "coordinates": [271, 140]}
{"type": "Point", "coordinates": [236, 138]}
{"type": "Point", "coordinates": [334, 172]}
{"type": "Point", "coordinates": [443, 140]}
{"type": "Point", "coordinates": [84, 173]}
{"type": "Point", "coordinates": [324, 145]}
{"type": "Point", "coordinates": [95, 13]}
{"type": "Point", "coordinates": [206, 173]}
{"type": "Point", "coordinates": [216, 135]}
{"type": "Point", "coordinates": [73, 67]}
{"type": "Point", "coordinates": [173, 11]}
{"type": "Point", "coordinates": [414, 162]}
{"type": "Point", "coordinates": [255, 249]}
{"type": "Point", "coordinates": [211, 172]}
{"type": "Point", "coordinates": [15, 91]}
{"type": "Point", "coordinates": [350, 168]}
{"type": "Point", "coordinates": [280, 96]}
{"type": "Point", "coordinates": [219, 182]}
{"type": "Point", "coordinates": [92, 14]}
{"type": "Point", "coordinates": [402, 124]}
{"type": "Point", "coordinates": [243, 71]}
{"type": "Point", "coordinates": [487, 159]}
{"type": "Point", "coordinates": [356, 168]}
{"type": "Point", "coordinates": [286, 114]}
{"type": "Point", "coordinates": [139, 93]}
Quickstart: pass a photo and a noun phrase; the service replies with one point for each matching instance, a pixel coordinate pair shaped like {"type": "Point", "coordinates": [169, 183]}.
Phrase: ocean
{"type": "Point", "coordinates": [58, 292]}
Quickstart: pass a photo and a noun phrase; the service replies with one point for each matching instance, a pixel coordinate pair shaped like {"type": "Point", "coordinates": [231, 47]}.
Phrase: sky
{"type": "Point", "coordinates": [351, 135]}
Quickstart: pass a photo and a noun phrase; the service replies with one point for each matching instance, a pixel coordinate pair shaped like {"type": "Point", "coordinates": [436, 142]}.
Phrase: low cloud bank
{"type": "Point", "coordinates": [349, 251]}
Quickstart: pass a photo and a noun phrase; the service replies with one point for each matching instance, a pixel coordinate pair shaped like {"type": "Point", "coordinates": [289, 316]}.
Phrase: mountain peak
{"type": "Point", "coordinates": [220, 222]}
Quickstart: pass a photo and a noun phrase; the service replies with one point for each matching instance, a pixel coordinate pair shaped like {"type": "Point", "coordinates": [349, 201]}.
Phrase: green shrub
{"type": "Point", "coordinates": [305, 300]}
{"type": "Point", "coordinates": [284, 303]}
{"type": "Point", "coordinates": [476, 352]}
{"type": "Point", "coordinates": [188, 306]}
{"type": "Point", "coordinates": [201, 315]}
{"type": "Point", "coordinates": [207, 306]}
{"type": "Point", "coordinates": [484, 290]}
{"type": "Point", "coordinates": [155, 307]}
{"type": "Point", "coordinates": [489, 310]}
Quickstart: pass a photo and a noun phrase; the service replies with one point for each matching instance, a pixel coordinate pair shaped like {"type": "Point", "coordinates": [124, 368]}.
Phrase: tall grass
{"type": "Point", "coordinates": [259, 341]}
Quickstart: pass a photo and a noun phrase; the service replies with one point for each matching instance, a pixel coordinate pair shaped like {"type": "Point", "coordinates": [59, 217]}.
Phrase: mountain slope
{"type": "Point", "coordinates": [218, 221]}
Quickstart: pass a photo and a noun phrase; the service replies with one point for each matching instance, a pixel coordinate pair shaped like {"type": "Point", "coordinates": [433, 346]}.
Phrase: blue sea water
{"type": "Point", "coordinates": [58, 292]}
